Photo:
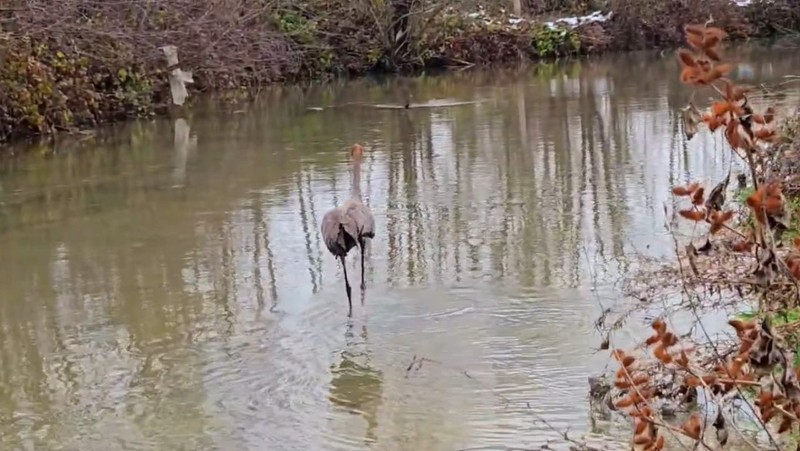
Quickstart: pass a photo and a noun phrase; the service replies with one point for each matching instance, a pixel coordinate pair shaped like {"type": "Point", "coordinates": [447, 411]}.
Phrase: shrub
{"type": "Point", "coordinates": [759, 368]}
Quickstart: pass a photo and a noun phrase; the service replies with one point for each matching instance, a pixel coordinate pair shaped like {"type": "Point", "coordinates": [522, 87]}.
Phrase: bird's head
{"type": "Point", "coordinates": [357, 151]}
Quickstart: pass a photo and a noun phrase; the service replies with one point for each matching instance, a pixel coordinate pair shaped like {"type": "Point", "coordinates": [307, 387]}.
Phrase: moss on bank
{"type": "Point", "coordinates": [79, 63]}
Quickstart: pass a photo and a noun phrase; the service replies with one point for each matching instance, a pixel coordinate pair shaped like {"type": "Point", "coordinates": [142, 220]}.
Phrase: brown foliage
{"type": "Point", "coordinates": [746, 131]}
{"type": "Point", "coordinates": [687, 190]}
{"type": "Point", "coordinates": [639, 388]}
{"type": "Point", "coordinates": [718, 220]}
{"type": "Point", "coordinates": [693, 215]}
{"type": "Point", "coordinates": [638, 391]}
{"type": "Point", "coordinates": [758, 355]}
{"type": "Point", "coordinates": [767, 200]}
{"type": "Point", "coordinates": [702, 65]}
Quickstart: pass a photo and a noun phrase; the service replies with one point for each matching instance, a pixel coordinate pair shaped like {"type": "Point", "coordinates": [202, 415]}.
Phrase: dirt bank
{"type": "Point", "coordinates": [73, 64]}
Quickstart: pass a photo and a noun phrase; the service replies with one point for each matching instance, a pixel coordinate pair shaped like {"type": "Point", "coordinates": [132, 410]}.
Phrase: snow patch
{"type": "Point", "coordinates": [570, 22]}
{"type": "Point", "coordinates": [573, 22]}
{"type": "Point", "coordinates": [514, 21]}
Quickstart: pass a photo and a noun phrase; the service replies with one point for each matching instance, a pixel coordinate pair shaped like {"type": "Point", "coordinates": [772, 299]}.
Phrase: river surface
{"type": "Point", "coordinates": [164, 284]}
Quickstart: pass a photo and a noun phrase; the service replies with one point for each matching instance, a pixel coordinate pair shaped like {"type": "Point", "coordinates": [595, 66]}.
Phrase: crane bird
{"type": "Point", "coordinates": [349, 225]}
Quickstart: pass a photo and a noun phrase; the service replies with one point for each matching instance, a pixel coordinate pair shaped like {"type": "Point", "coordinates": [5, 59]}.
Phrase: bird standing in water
{"type": "Point", "coordinates": [349, 225]}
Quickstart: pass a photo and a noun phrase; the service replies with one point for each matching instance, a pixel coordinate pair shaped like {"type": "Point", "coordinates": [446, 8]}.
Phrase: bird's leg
{"type": "Point", "coordinates": [347, 287]}
{"type": "Point", "coordinates": [363, 284]}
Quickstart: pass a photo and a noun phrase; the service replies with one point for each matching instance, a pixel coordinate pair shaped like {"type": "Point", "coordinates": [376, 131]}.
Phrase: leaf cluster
{"type": "Point", "coordinates": [760, 361]}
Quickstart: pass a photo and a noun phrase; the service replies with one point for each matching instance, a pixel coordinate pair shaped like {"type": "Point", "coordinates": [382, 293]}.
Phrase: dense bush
{"type": "Point", "coordinates": [43, 89]}
{"type": "Point", "coordinates": [639, 24]}
{"type": "Point", "coordinates": [775, 16]}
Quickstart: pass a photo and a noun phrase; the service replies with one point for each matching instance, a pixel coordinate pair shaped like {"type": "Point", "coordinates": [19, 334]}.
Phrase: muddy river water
{"type": "Point", "coordinates": [164, 284]}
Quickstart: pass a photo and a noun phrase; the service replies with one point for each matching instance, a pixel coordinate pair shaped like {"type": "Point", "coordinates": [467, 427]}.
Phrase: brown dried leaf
{"type": "Point", "coordinates": [692, 427]}
{"type": "Point", "coordinates": [685, 190]}
{"type": "Point", "coordinates": [697, 196]}
{"type": "Point", "coordinates": [628, 361]}
{"type": "Point", "coordinates": [625, 401]}
{"type": "Point", "coordinates": [693, 215]}
{"type": "Point", "coordinates": [687, 58]}
{"type": "Point", "coordinates": [786, 424]}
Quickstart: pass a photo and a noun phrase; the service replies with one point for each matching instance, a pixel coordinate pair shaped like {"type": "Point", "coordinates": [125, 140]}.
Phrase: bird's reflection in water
{"type": "Point", "coordinates": [355, 386]}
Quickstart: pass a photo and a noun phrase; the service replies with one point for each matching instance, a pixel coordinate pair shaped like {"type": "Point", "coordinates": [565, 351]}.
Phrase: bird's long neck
{"type": "Point", "coordinates": [356, 189]}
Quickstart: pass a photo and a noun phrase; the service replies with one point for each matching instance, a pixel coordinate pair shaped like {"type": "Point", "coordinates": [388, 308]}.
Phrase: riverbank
{"type": "Point", "coordinates": [75, 64]}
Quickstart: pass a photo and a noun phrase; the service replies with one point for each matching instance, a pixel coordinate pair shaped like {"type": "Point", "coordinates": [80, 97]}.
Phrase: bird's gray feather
{"type": "Point", "coordinates": [344, 226]}
{"type": "Point", "coordinates": [361, 218]}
